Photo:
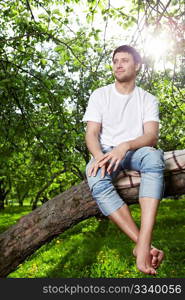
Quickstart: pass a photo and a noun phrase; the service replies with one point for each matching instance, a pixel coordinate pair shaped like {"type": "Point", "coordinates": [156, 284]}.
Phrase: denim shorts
{"type": "Point", "coordinates": [146, 160]}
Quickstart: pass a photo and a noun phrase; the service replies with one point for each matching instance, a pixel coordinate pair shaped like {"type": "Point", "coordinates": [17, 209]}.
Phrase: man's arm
{"type": "Point", "coordinates": [93, 144]}
{"type": "Point", "coordinates": [149, 138]}
{"type": "Point", "coordinates": [92, 138]}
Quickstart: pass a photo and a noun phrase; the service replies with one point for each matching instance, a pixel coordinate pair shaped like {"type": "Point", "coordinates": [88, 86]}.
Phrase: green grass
{"type": "Point", "coordinates": [96, 248]}
{"type": "Point", "coordinates": [10, 215]}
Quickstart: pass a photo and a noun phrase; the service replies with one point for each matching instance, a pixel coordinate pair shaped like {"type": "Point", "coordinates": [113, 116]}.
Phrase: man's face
{"type": "Point", "coordinates": [124, 67]}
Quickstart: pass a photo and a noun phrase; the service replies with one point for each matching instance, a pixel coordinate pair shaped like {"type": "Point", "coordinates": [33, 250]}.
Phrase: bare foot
{"type": "Point", "coordinates": [157, 256]}
{"type": "Point", "coordinates": [144, 260]}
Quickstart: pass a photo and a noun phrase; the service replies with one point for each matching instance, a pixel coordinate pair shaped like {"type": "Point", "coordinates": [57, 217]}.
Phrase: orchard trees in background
{"type": "Point", "coordinates": [46, 78]}
{"type": "Point", "coordinates": [52, 57]}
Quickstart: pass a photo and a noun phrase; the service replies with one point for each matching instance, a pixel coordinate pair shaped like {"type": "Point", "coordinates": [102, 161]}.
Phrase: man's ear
{"type": "Point", "coordinates": [138, 66]}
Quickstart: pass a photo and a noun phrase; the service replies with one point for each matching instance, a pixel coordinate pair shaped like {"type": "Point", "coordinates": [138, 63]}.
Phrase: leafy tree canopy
{"type": "Point", "coordinates": [53, 54]}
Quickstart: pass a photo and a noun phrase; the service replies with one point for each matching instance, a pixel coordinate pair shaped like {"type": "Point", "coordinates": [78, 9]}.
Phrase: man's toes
{"type": "Point", "coordinates": [154, 252]}
{"type": "Point", "coordinates": [157, 257]}
{"type": "Point", "coordinates": [153, 271]}
{"type": "Point", "coordinates": [155, 262]}
{"type": "Point", "coordinates": [160, 257]}
{"type": "Point", "coordinates": [144, 269]}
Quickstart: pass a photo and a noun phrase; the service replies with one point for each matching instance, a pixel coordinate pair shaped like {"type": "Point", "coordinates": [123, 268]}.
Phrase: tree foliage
{"type": "Point", "coordinates": [51, 60]}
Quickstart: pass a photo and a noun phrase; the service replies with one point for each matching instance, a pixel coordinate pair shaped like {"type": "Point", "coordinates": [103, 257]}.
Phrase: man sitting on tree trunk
{"type": "Point", "coordinates": [122, 130]}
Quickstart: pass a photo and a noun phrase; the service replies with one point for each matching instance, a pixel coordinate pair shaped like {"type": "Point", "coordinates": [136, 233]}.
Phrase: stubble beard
{"type": "Point", "coordinates": [124, 78]}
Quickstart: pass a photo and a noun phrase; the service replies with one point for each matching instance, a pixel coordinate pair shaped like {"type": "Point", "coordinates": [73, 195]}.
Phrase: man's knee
{"type": "Point", "coordinates": [97, 184]}
{"type": "Point", "coordinates": [102, 188]}
{"type": "Point", "coordinates": [153, 160]}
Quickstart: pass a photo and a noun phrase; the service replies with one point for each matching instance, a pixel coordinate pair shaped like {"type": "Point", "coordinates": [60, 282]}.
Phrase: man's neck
{"type": "Point", "coordinates": [125, 87]}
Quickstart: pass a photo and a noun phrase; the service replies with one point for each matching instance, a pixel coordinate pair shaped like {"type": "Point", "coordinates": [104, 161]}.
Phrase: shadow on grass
{"type": "Point", "coordinates": [81, 259]}
{"type": "Point", "coordinates": [83, 253]}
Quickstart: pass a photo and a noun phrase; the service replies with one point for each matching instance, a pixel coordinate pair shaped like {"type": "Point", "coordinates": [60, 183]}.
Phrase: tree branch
{"type": "Point", "coordinates": [29, 8]}
{"type": "Point", "coordinates": [45, 186]}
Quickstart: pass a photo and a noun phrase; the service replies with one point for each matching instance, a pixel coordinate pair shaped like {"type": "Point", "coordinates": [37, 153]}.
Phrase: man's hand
{"type": "Point", "coordinates": [95, 166]}
{"type": "Point", "coordinates": [114, 157]}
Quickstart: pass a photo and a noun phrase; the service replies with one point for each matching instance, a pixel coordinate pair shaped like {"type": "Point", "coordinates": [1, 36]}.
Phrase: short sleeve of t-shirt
{"type": "Point", "coordinates": [151, 109]}
{"type": "Point", "coordinates": [93, 110]}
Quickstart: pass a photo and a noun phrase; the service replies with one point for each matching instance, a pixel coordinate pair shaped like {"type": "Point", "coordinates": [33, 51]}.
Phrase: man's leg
{"type": "Point", "coordinates": [151, 191]}
{"type": "Point", "coordinates": [123, 219]}
{"type": "Point", "coordinates": [148, 215]}
{"type": "Point", "coordinates": [150, 163]}
{"type": "Point", "coordinates": [111, 204]}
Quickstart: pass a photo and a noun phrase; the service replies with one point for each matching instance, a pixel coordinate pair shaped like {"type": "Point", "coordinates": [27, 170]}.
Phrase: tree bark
{"type": "Point", "coordinates": [60, 213]}
{"type": "Point", "coordinates": [3, 194]}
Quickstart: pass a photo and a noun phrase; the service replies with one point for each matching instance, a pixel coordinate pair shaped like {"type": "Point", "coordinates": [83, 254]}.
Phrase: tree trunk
{"type": "Point", "coordinates": [60, 213]}
{"type": "Point", "coordinates": [2, 199]}
{"type": "Point", "coordinates": [3, 194]}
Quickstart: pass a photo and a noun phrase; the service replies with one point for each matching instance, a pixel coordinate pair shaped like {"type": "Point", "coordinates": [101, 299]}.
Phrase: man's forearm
{"type": "Point", "coordinates": [93, 144]}
{"type": "Point", "coordinates": [142, 141]}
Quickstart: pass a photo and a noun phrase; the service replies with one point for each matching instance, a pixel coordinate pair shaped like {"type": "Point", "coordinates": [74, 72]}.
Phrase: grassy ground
{"type": "Point", "coordinates": [96, 248]}
{"type": "Point", "coordinates": [11, 214]}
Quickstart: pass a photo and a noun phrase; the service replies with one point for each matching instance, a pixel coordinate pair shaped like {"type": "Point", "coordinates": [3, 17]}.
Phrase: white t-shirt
{"type": "Point", "coordinates": [122, 116]}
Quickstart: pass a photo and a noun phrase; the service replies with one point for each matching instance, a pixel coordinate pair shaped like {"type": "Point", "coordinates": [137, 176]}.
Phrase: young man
{"type": "Point", "coordinates": [122, 130]}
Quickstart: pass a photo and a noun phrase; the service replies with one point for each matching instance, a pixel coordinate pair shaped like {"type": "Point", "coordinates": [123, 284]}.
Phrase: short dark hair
{"type": "Point", "coordinates": [125, 48]}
